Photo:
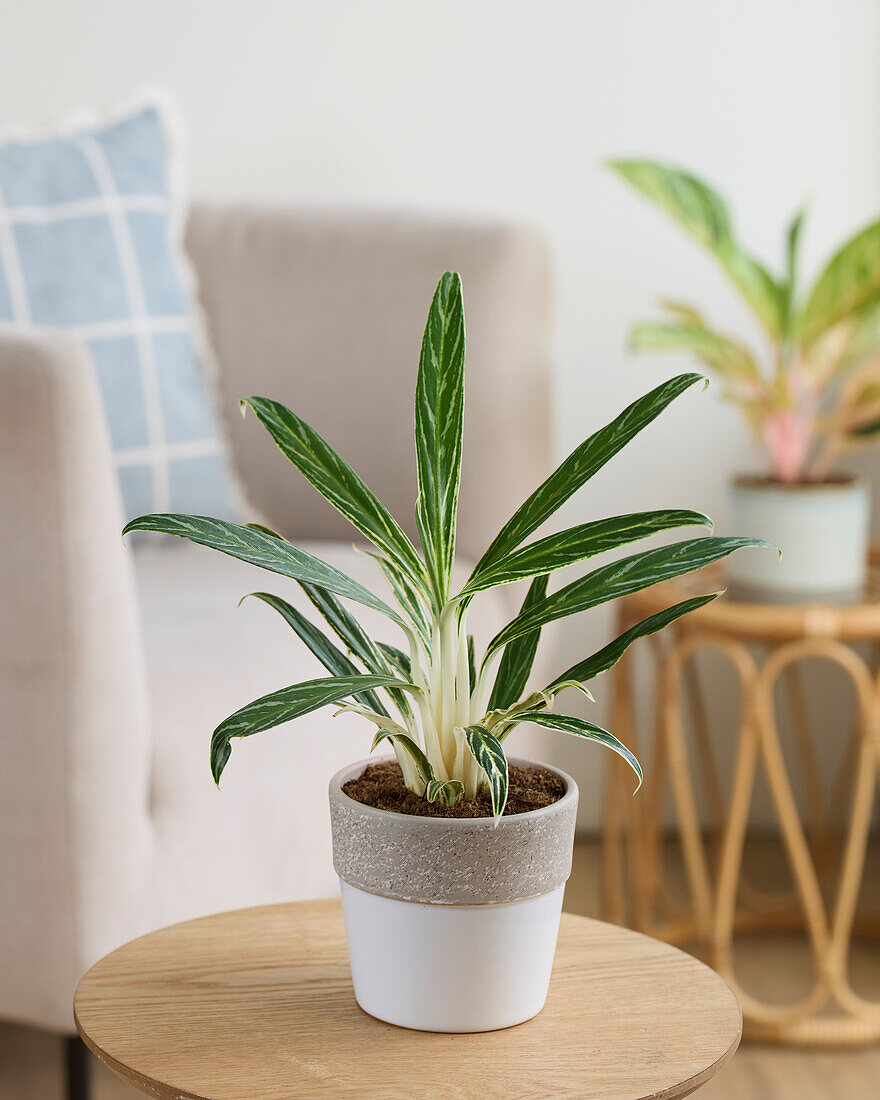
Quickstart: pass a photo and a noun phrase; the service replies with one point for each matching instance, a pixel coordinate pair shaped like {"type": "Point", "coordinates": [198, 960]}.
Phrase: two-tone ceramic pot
{"type": "Point", "coordinates": [451, 922]}
{"type": "Point", "coordinates": [821, 529]}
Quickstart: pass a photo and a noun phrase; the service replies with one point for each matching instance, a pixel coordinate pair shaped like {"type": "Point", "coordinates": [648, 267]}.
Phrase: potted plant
{"type": "Point", "coordinates": [452, 858]}
{"type": "Point", "coordinates": [812, 395]}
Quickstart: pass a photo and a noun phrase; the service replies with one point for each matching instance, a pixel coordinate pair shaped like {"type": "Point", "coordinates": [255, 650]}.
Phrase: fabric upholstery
{"type": "Point", "coordinates": [116, 665]}
{"type": "Point", "coordinates": [90, 244]}
{"type": "Point", "coordinates": [333, 328]}
{"type": "Point", "coordinates": [74, 745]}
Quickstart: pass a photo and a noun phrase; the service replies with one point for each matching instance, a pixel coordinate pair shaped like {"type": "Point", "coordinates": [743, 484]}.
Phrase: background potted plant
{"type": "Point", "coordinates": [451, 900]}
{"type": "Point", "coordinates": [812, 395]}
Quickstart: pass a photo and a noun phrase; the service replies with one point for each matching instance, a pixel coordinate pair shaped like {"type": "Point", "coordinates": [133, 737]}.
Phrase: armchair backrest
{"type": "Point", "coordinates": [325, 311]}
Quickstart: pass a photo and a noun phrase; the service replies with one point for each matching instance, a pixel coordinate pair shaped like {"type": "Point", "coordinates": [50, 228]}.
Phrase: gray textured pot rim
{"type": "Point", "coordinates": [350, 770]}
{"type": "Point", "coordinates": [846, 482]}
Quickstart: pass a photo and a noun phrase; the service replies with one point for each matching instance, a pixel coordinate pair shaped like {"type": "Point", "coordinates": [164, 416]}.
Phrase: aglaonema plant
{"type": "Point", "coordinates": [447, 715]}
{"type": "Point", "coordinates": [814, 393]}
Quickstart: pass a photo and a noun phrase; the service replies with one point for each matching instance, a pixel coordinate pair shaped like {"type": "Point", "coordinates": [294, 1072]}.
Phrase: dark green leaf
{"type": "Point", "coordinates": [518, 657]}
{"type": "Point", "coordinates": [439, 423]}
{"type": "Point", "coordinates": [350, 631]}
{"type": "Point", "coordinates": [332, 658]}
{"type": "Point", "coordinates": [622, 578]}
{"type": "Point", "coordinates": [406, 596]}
{"type": "Point", "coordinates": [258, 548]}
{"type": "Point", "coordinates": [404, 741]}
{"type": "Point", "coordinates": [609, 655]}
{"type": "Point", "coordinates": [487, 751]}
{"type": "Point", "coordinates": [448, 792]}
{"type": "Point", "coordinates": [580, 466]}
{"type": "Point", "coordinates": [564, 548]}
{"type": "Point", "coordinates": [579, 727]}
{"type": "Point", "coordinates": [283, 706]}
{"type": "Point", "coordinates": [337, 482]}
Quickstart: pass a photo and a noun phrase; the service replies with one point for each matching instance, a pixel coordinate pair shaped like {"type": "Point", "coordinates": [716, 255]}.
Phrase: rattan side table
{"type": "Point", "coordinates": [765, 645]}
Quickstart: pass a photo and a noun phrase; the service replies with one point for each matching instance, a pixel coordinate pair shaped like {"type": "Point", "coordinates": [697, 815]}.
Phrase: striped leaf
{"type": "Point", "coordinates": [337, 482]}
{"type": "Point", "coordinates": [519, 656]}
{"type": "Point", "coordinates": [405, 742]}
{"type": "Point", "coordinates": [724, 355]}
{"type": "Point", "coordinates": [439, 423]}
{"type": "Point", "coordinates": [622, 578]}
{"type": "Point", "coordinates": [406, 595]}
{"type": "Point", "coordinates": [398, 660]}
{"type": "Point", "coordinates": [266, 551]}
{"type": "Point", "coordinates": [580, 727]}
{"type": "Point", "coordinates": [850, 283]}
{"type": "Point", "coordinates": [350, 631]}
{"type": "Point", "coordinates": [487, 751]}
{"type": "Point", "coordinates": [332, 658]}
{"type": "Point", "coordinates": [580, 466]}
{"type": "Point", "coordinates": [564, 548]}
{"type": "Point", "coordinates": [609, 655]}
{"type": "Point", "coordinates": [448, 792]}
{"type": "Point", "coordinates": [283, 706]}
{"type": "Point", "coordinates": [701, 211]}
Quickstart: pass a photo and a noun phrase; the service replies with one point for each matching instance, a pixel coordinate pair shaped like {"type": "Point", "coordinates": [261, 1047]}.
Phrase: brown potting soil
{"type": "Point", "coordinates": [381, 785]}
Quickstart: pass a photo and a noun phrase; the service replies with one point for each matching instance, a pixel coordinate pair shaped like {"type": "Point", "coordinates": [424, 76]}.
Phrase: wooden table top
{"type": "Point", "coordinates": [258, 1004]}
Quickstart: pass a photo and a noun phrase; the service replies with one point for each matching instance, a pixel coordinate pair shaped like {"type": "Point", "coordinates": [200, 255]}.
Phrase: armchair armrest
{"type": "Point", "coordinates": [74, 745]}
{"type": "Point", "coordinates": [325, 311]}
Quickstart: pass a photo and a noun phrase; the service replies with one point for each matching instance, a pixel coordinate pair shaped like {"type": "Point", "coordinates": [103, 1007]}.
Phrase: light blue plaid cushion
{"type": "Point", "coordinates": [87, 245]}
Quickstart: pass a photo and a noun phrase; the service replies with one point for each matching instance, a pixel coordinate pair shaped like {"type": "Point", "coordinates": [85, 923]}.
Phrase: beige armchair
{"type": "Point", "coordinates": [117, 662]}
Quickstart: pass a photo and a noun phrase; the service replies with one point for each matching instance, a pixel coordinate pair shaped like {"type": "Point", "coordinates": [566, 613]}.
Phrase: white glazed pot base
{"type": "Point", "coordinates": [453, 968]}
{"type": "Point", "coordinates": [822, 531]}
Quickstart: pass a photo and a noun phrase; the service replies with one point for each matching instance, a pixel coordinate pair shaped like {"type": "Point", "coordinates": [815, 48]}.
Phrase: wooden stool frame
{"type": "Point", "coordinates": [721, 901]}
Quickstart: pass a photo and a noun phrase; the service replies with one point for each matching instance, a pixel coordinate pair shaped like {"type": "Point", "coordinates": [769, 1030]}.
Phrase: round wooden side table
{"type": "Point", "coordinates": [765, 644]}
{"type": "Point", "coordinates": [258, 1004]}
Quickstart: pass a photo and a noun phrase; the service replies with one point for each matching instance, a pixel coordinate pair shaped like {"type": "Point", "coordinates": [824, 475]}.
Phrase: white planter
{"type": "Point", "coordinates": [451, 922]}
{"type": "Point", "coordinates": [451, 967]}
{"type": "Point", "coordinates": [822, 530]}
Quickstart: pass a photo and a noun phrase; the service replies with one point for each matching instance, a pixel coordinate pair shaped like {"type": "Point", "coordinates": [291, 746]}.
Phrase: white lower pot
{"type": "Point", "coordinates": [451, 922]}
{"type": "Point", "coordinates": [821, 529]}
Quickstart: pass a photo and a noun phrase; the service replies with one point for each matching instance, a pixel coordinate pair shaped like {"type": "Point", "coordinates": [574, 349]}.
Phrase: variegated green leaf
{"type": "Point", "coordinates": [518, 658]}
{"type": "Point", "coordinates": [609, 655]}
{"type": "Point", "coordinates": [728, 357]}
{"type": "Point", "coordinates": [258, 548]}
{"type": "Point", "coordinates": [338, 483]}
{"type": "Point", "coordinates": [702, 213]}
{"type": "Point", "coordinates": [535, 700]}
{"type": "Point", "coordinates": [421, 762]}
{"type": "Point", "coordinates": [564, 548]}
{"type": "Point", "coordinates": [690, 201]}
{"type": "Point", "coordinates": [439, 424]}
{"type": "Point", "coordinates": [756, 285]}
{"type": "Point", "coordinates": [283, 706]}
{"type": "Point", "coordinates": [406, 596]}
{"type": "Point", "coordinates": [350, 631]}
{"type": "Point", "coordinates": [850, 282]}
{"type": "Point", "coordinates": [332, 658]}
{"type": "Point", "coordinates": [580, 466]}
{"type": "Point", "coordinates": [580, 727]}
{"type": "Point", "coordinates": [622, 578]}
{"type": "Point", "coordinates": [448, 792]}
{"type": "Point", "coordinates": [487, 751]}
{"type": "Point", "coordinates": [266, 530]}
{"type": "Point", "coordinates": [398, 660]}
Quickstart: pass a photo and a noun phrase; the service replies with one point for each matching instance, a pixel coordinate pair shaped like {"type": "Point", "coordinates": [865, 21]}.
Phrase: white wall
{"type": "Point", "coordinates": [510, 108]}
